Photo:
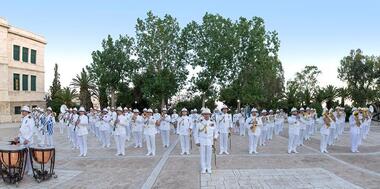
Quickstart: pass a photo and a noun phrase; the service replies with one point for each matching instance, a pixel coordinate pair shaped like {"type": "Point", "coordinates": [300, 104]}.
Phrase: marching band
{"type": "Point", "coordinates": [201, 129]}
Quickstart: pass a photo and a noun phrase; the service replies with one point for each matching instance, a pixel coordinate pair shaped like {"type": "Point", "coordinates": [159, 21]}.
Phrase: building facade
{"type": "Point", "coordinates": [22, 73]}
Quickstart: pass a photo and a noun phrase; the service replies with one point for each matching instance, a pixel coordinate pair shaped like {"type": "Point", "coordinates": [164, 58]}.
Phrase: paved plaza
{"type": "Point", "coordinates": [271, 168]}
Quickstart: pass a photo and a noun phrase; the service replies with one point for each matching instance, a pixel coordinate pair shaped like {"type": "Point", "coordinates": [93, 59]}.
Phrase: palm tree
{"type": "Point", "coordinates": [86, 87]}
{"type": "Point", "coordinates": [343, 94]}
{"type": "Point", "coordinates": [330, 93]}
{"type": "Point", "coordinates": [67, 95]}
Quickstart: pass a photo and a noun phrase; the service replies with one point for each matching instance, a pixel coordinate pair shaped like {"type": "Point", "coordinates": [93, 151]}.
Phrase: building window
{"type": "Point", "coordinates": [16, 82]}
{"type": "Point", "coordinates": [16, 52]}
{"type": "Point", "coordinates": [33, 56]}
{"type": "Point", "coordinates": [25, 54]}
{"type": "Point", "coordinates": [33, 79]}
{"type": "Point", "coordinates": [17, 109]}
{"type": "Point", "coordinates": [25, 82]}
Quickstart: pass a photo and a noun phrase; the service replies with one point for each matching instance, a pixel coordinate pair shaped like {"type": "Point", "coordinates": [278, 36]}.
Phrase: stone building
{"type": "Point", "coordinates": [22, 71]}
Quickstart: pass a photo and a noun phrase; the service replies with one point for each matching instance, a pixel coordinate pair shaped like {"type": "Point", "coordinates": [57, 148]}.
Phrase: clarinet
{"type": "Point", "coordinates": [77, 123]}
{"type": "Point", "coordinates": [115, 123]}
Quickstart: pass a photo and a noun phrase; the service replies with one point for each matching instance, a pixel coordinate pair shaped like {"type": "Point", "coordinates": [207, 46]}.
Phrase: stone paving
{"type": "Point", "coordinates": [168, 169]}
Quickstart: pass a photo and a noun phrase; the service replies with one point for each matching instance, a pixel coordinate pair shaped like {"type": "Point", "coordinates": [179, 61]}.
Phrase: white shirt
{"type": "Point", "coordinates": [165, 122]}
{"type": "Point", "coordinates": [249, 122]}
{"type": "Point", "coordinates": [26, 129]}
{"type": "Point", "coordinates": [82, 126]}
{"type": "Point", "coordinates": [206, 132]}
{"type": "Point", "coordinates": [150, 126]}
{"type": "Point", "coordinates": [137, 124]}
{"type": "Point", "coordinates": [184, 125]}
{"type": "Point", "coordinates": [105, 122]}
{"type": "Point", "coordinates": [294, 125]}
{"type": "Point", "coordinates": [224, 123]}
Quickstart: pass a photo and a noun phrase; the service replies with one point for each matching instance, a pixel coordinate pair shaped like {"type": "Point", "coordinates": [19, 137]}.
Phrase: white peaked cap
{"type": "Point", "coordinates": [119, 109]}
{"type": "Point", "coordinates": [264, 111]}
{"type": "Point", "coordinates": [301, 109]}
{"type": "Point", "coordinates": [49, 109]}
{"type": "Point", "coordinates": [25, 109]}
{"type": "Point", "coordinates": [254, 110]}
{"type": "Point", "coordinates": [105, 110]}
{"type": "Point", "coordinates": [277, 110]}
{"type": "Point", "coordinates": [164, 109]}
{"type": "Point", "coordinates": [206, 111]}
{"type": "Point", "coordinates": [307, 108]}
{"type": "Point", "coordinates": [75, 109]}
{"type": "Point", "coordinates": [136, 111]}
{"type": "Point", "coordinates": [81, 109]}
{"type": "Point", "coordinates": [293, 109]}
{"type": "Point", "coordinates": [224, 107]}
{"type": "Point", "coordinates": [144, 110]}
{"type": "Point", "coordinates": [149, 110]}
{"type": "Point", "coordinates": [184, 110]}
{"type": "Point", "coordinates": [270, 111]}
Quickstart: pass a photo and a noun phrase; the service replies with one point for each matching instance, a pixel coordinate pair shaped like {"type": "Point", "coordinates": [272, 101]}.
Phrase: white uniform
{"type": "Point", "coordinates": [253, 136]}
{"type": "Point", "coordinates": [174, 118]}
{"type": "Point", "coordinates": [165, 130]}
{"type": "Point", "coordinates": [82, 132]}
{"type": "Point", "coordinates": [104, 130]}
{"type": "Point", "coordinates": [325, 133]}
{"type": "Point", "coordinates": [332, 133]}
{"type": "Point", "coordinates": [73, 136]}
{"type": "Point", "coordinates": [26, 134]}
{"type": "Point", "coordinates": [127, 126]}
{"type": "Point", "coordinates": [294, 132]}
{"type": "Point", "coordinates": [183, 129]}
{"type": "Point", "coordinates": [224, 125]}
{"type": "Point", "coordinates": [264, 130]}
{"type": "Point", "coordinates": [50, 124]}
{"type": "Point", "coordinates": [120, 133]}
{"type": "Point", "coordinates": [271, 124]}
{"type": "Point", "coordinates": [242, 123]}
{"type": "Point", "coordinates": [355, 133]}
{"type": "Point", "coordinates": [206, 134]}
{"type": "Point", "coordinates": [137, 124]}
{"type": "Point", "coordinates": [150, 132]}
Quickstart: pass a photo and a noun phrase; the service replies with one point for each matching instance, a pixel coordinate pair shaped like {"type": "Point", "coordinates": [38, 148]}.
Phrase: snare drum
{"type": "Point", "coordinates": [43, 162]}
{"type": "Point", "coordinates": [12, 163]}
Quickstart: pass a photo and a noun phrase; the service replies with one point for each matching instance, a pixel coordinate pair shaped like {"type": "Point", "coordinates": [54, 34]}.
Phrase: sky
{"type": "Point", "coordinates": [317, 33]}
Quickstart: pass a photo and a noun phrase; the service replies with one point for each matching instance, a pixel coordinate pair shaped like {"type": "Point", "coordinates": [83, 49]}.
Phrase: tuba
{"type": "Point", "coordinates": [327, 119]}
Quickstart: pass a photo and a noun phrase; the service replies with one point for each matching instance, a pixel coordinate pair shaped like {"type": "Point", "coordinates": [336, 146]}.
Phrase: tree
{"type": "Point", "coordinates": [160, 57]}
{"type": "Point", "coordinates": [55, 89]}
{"type": "Point", "coordinates": [330, 94]}
{"type": "Point", "coordinates": [67, 95]}
{"type": "Point", "coordinates": [209, 48]}
{"type": "Point", "coordinates": [86, 87]}
{"type": "Point", "coordinates": [343, 94]}
{"type": "Point", "coordinates": [360, 72]}
{"type": "Point", "coordinates": [112, 66]}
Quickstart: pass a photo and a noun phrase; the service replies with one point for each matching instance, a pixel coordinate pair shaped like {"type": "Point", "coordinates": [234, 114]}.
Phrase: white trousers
{"type": "Point", "coordinates": [73, 138]}
{"type": "Point", "coordinates": [137, 135]}
{"type": "Point", "coordinates": [301, 136]}
{"type": "Point", "coordinates": [331, 136]}
{"type": "Point", "coordinates": [206, 154]}
{"type": "Point", "coordinates": [355, 138]}
{"type": "Point", "coordinates": [151, 144]}
{"type": "Point", "coordinates": [82, 140]}
{"type": "Point", "coordinates": [185, 143]}
{"type": "Point", "coordinates": [61, 127]}
{"type": "Point", "coordinates": [120, 144]}
{"type": "Point", "coordinates": [293, 140]}
{"type": "Point", "coordinates": [242, 130]}
{"type": "Point", "coordinates": [105, 138]}
{"type": "Point", "coordinates": [97, 133]}
{"type": "Point", "coordinates": [324, 140]}
{"type": "Point", "coordinates": [165, 136]}
{"type": "Point", "coordinates": [49, 140]}
{"type": "Point", "coordinates": [223, 143]}
{"type": "Point", "coordinates": [263, 136]}
{"type": "Point", "coordinates": [253, 140]}
{"type": "Point", "coordinates": [128, 132]}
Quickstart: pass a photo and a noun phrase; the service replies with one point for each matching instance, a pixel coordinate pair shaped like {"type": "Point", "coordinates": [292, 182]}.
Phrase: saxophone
{"type": "Point", "coordinates": [327, 120]}
{"type": "Point", "coordinates": [254, 125]}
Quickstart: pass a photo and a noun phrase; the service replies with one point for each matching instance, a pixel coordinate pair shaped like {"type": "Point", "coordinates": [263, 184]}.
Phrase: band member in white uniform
{"type": "Point", "coordinates": [184, 130]}
{"type": "Point", "coordinates": [207, 134]}
{"type": "Point", "coordinates": [325, 131]}
{"type": "Point", "coordinates": [355, 124]}
{"type": "Point", "coordinates": [225, 129]}
{"type": "Point", "coordinates": [174, 118]}
{"type": "Point", "coordinates": [104, 128]}
{"type": "Point", "coordinates": [50, 124]}
{"type": "Point", "coordinates": [82, 131]}
{"type": "Point", "coordinates": [242, 122]}
{"type": "Point", "coordinates": [253, 124]}
{"type": "Point", "coordinates": [164, 123]}
{"type": "Point", "coordinates": [150, 132]}
{"type": "Point", "coordinates": [137, 124]}
{"type": "Point", "coordinates": [73, 136]}
{"type": "Point", "coordinates": [294, 131]}
{"type": "Point", "coordinates": [25, 135]}
{"type": "Point", "coordinates": [119, 131]}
